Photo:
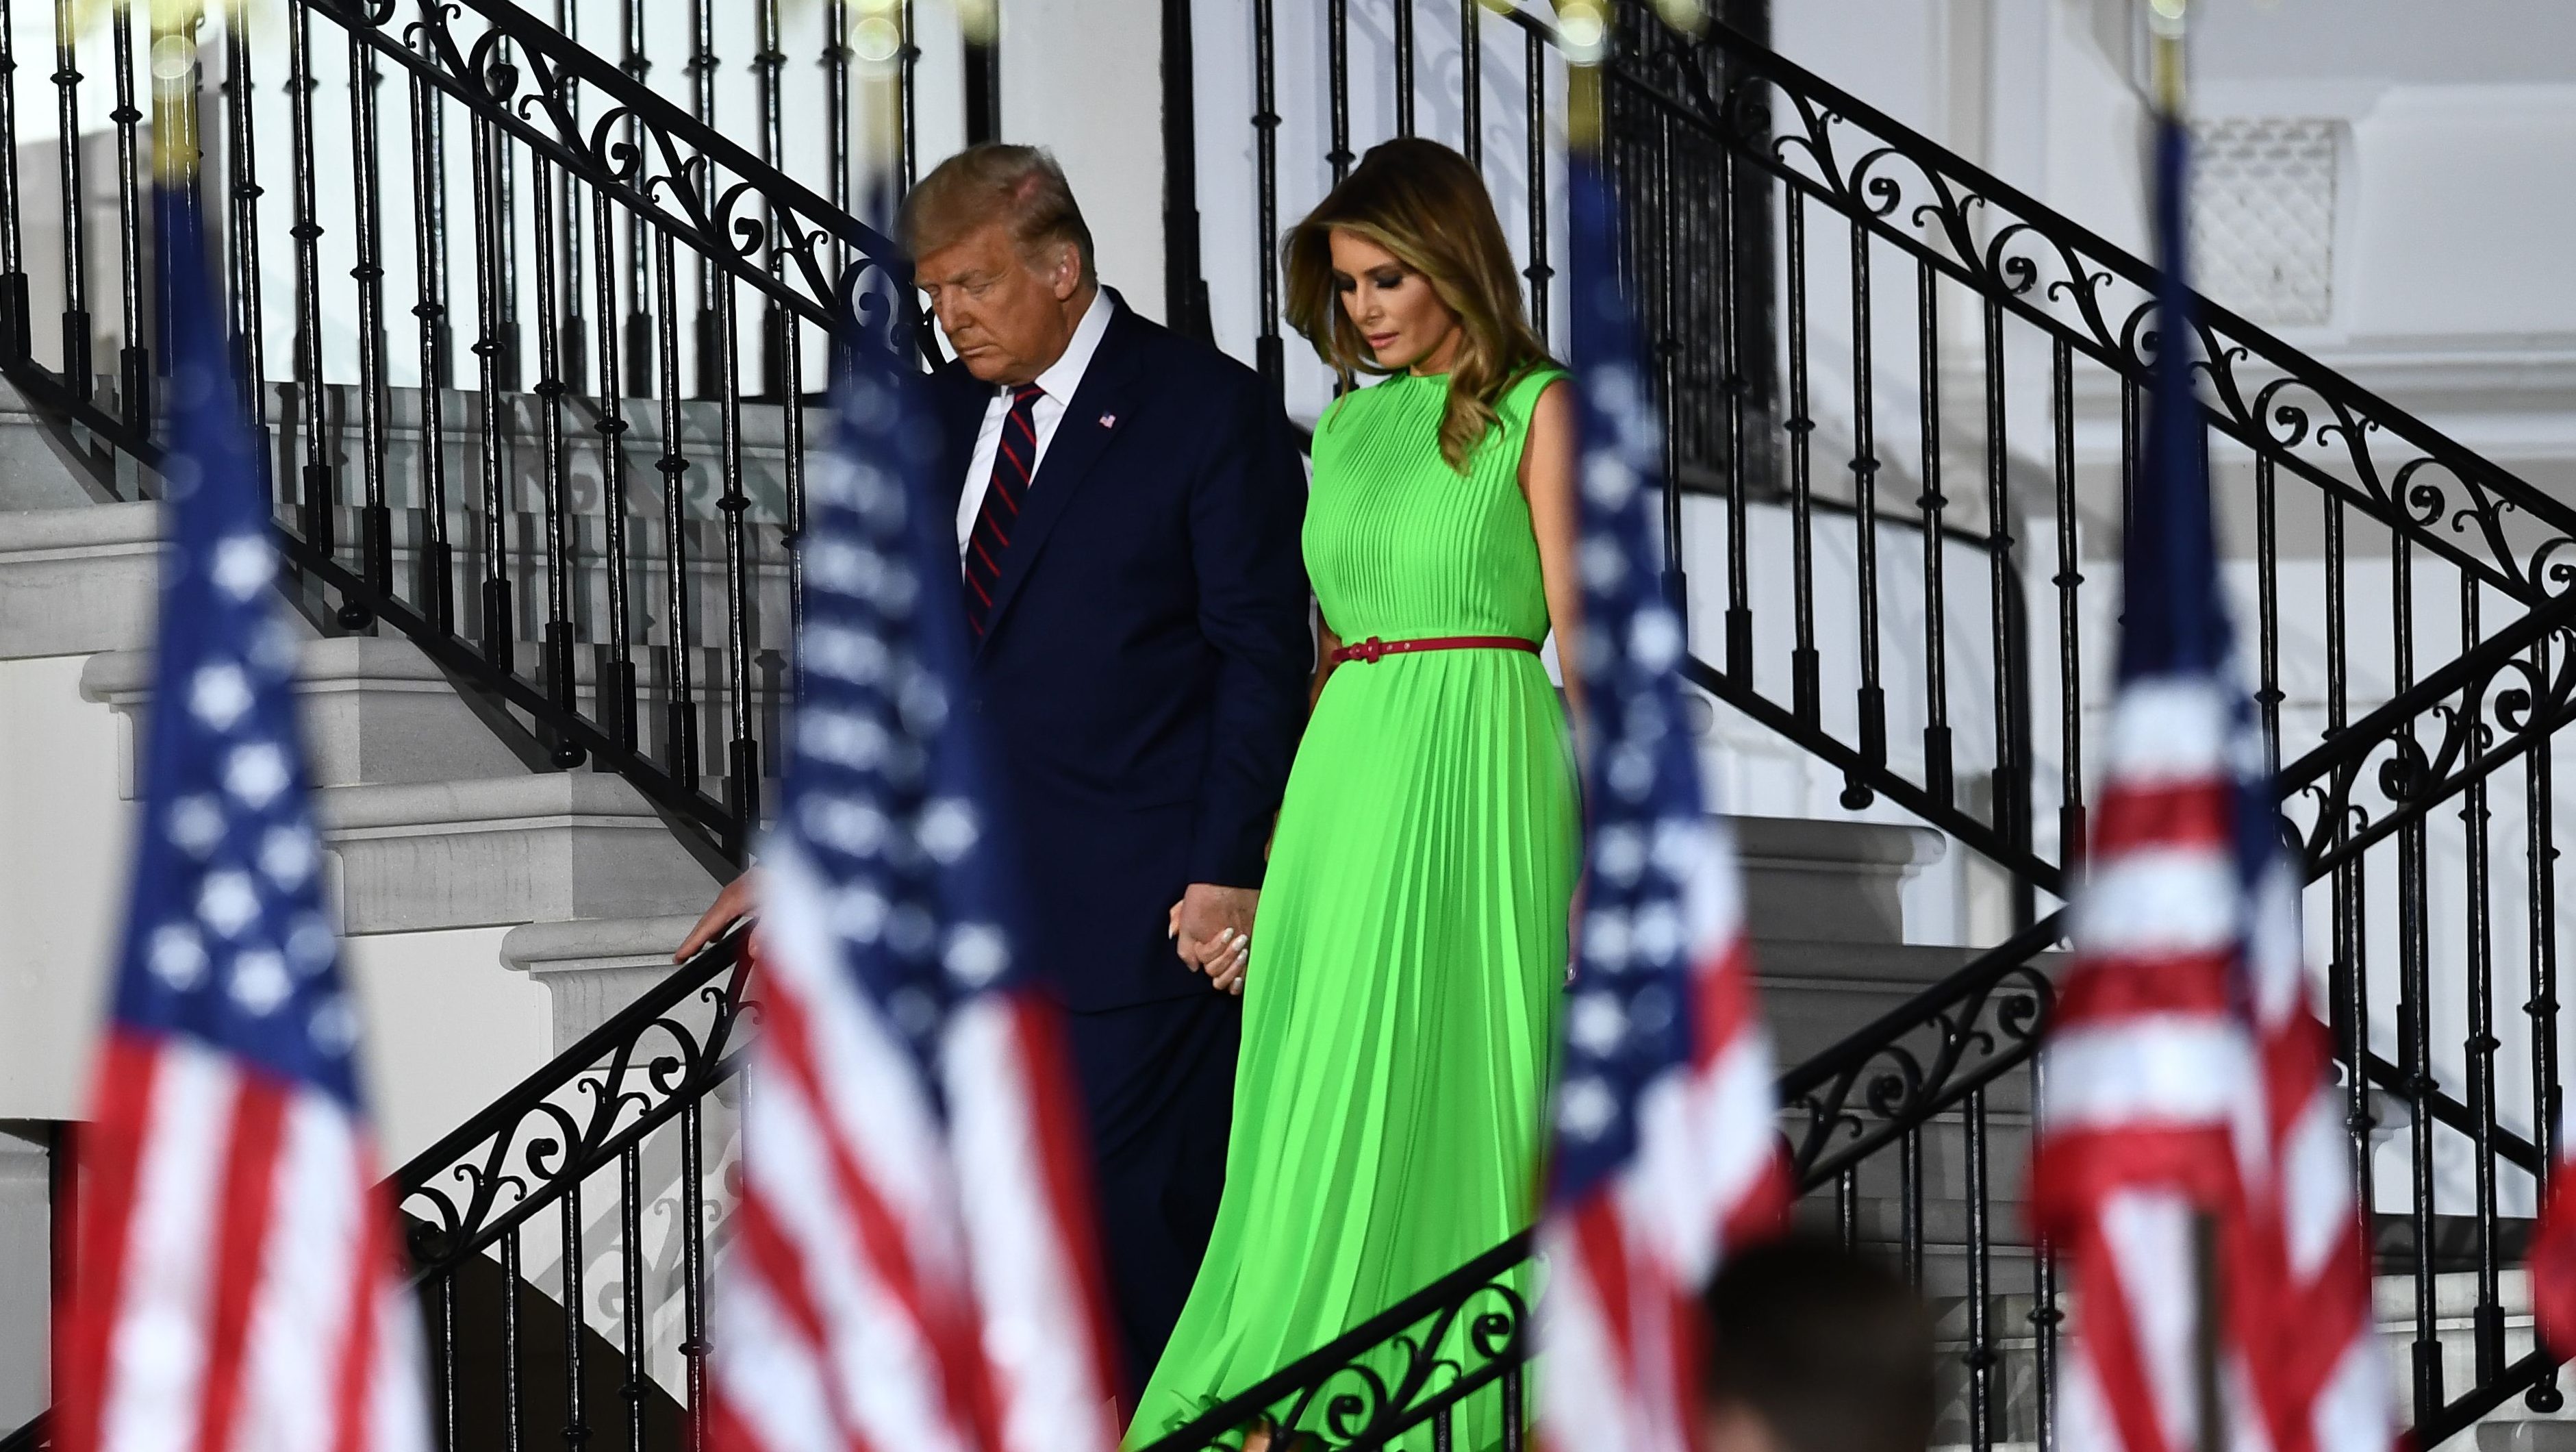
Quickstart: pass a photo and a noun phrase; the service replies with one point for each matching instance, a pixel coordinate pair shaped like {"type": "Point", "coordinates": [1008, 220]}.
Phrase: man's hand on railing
{"type": "Point", "coordinates": [735, 902]}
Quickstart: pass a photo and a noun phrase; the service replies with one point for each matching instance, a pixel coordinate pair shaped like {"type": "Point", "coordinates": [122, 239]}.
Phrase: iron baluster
{"type": "Point", "coordinates": [433, 221]}
{"type": "Point", "coordinates": [693, 1263]}
{"type": "Point", "coordinates": [1513, 1405]}
{"type": "Point", "coordinates": [702, 103]}
{"type": "Point", "coordinates": [774, 382]}
{"type": "Point", "coordinates": [497, 633]}
{"type": "Point", "coordinates": [2415, 1006]}
{"type": "Point", "coordinates": [1403, 67]}
{"type": "Point", "coordinates": [908, 61]}
{"type": "Point", "coordinates": [1471, 82]}
{"type": "Point", "coordinates": [1909, 1209]}
{"type": "Point", "coordinates": [572, 361]}
{"type": "Point", "coordinates": [446, 1359]}
{"type": "Point", "coordinates": [437, 594]}
{"type": "Point", "coordinates": [375, 516]}
{"type": "Point", "coordinates": [1847, 1207]}
{"type": "Point", "coordinates": [2267, 589]}
{"type": "Point", "coordinates": [1538, 272]}
{"type": "Point", "coordinates": [555, 470]}
{"type": "Point", "coordinates": [67, 79]}
{"type": "Point", "coordinates": [2487, 1321]}
{"type": "Point", "coordinates": [2069, 579]}
{"type": "Point", "coordinates": [630, 1249]}
{"type": "Point", "coordinates": [133, 360]}
{"type": "Point", "coordinates": [835, 64]}
{"type": "Point", "coordinates": [638, 67]}
{"type": "Point", "coordinates": [742, 777]}
{"type": "Point", "coordinates": [1981, 1347]}
{"type": "Point", "coordinates": [505, 225]}
{"type": "Point", "coordinates": [2045, 1318]}
{"type": "Point", "coordinates": [680, 723]}
{"type": "Point", "coordinates": [1666, 327]}
{"type": "Point", "coordinates": [1739, 488]}
{"type": "Point", "coordinates": [791, 421]}
{"type": "Point", "coordinates": [16, 327]}
{"type": "Point", "coordinates": [2350, 969]}
{"type": "Point", "coordinates": [1937, 781]}
{"type": "Point", "coordinates": [576, 1306]}
{"type": "Point", "coordinates": [617, 671]}
{"type": "Point", "coordinates": [1864, 466]}
{"type": "Point", "coordinates": [1440, 1431]}
{"type": "Point", "coordinates": [320, 498]}
{"type": "Point", "coordinates": [1268, 348]}
{"type": "Point", "coordinates": [1337, 63]}
{"type": "Point", "coordinates": [1806, 690]}
{"type": "Point", "coordinates": [2009, 811]}
{"type": "Point", "coordinates": [512, 1413]}
{"type": "Point", "coordinates": [2542, 1007]}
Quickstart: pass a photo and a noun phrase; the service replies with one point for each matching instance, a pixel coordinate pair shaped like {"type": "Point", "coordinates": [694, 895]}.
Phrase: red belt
{"type": "Point", "coordinates": [1370, 650]}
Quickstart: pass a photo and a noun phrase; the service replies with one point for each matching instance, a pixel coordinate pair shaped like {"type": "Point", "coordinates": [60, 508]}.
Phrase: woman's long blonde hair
{"type": "Point", "coordinates": [1427, 207]}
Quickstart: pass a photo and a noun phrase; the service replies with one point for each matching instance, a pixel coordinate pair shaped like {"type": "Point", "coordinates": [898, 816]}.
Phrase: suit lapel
{"type": "Point", "coordinates": [1090, 422]}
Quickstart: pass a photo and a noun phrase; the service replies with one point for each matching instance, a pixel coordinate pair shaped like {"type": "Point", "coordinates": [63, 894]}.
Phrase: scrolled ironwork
{"type": "Point", "coordinates": [578, 1114]}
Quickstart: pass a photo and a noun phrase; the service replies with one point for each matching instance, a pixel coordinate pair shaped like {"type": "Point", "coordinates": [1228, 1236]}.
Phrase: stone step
{"type": "Point", "coordinates": [376, 711]}
{"type": "Point", "coordinates": [75, 581]}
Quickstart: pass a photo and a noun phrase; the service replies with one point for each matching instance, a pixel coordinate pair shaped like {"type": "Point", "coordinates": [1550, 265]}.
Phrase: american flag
{"type": "Point", "coordinates": [1666, 1151]}
{"type": "Point", "coordinates": [2185, 1079]}
{"type": "Point", "coordinates": [237, 1282]}
{"type": "Point", "coordinates": [915, 1263]}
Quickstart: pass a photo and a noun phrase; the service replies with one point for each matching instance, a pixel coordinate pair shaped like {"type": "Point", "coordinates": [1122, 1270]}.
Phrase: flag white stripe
{"type": "Point", "coordinates": [2315, 1185]}
{"type": "Point", "coordinates": [2158, 901]}
{"type": "Point", "coordinates": [2148, 1071]}
{"type": "Point", "coordinates": [300, 1314]}
{"type": "Point", "coordinates": [2148, 1234]}
{"type": "Point", "coordinates": [876, 1104]}
{"type": "Point", "coordinates": [1584, 1389]}
{"type": "Point", "coordinates": [2166, 730]}
{"type": "Point", "coordinates": [156, 1359]}
{"type": "Point", "coordinates": [397, 1403]}
{"type": "Point", "coordinates": [1025, 1277]}
{"type": "Point", "coordinates": [886, 1372]}
{"type": "Point", "coordinates": [769, 1377]}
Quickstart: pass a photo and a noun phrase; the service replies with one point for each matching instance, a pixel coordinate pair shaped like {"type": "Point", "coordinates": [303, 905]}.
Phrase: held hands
{"type": "Point", "coordinates": [1211, 929]}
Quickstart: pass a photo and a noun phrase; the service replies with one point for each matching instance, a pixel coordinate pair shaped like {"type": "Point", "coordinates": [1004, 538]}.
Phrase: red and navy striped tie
{"type": "Point", "coordinates": [1013, 464]}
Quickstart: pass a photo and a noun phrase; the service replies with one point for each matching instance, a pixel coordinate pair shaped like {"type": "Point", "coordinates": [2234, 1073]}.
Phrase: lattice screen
{"type": "Point", "coordinates": [2263, 209]}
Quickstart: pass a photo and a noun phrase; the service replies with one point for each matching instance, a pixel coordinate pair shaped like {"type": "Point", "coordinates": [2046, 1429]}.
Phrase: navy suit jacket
{"type": "Point", "coordinates": [1143, 673]}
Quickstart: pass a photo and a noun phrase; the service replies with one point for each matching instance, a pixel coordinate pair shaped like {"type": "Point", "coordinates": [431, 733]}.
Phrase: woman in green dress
{"type": "Point", "coordinates": [1402, 980]}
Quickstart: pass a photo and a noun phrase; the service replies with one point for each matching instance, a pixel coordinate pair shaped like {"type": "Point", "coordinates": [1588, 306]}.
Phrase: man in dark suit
{"type": "Point", "coordinates": [1128, 505]}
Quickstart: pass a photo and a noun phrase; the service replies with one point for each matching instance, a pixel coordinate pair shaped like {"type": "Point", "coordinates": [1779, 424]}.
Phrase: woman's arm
{"type": "Point", "coordinates": [1547, 480]}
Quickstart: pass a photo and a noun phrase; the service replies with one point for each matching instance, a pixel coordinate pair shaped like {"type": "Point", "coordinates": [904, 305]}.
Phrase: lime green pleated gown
{"type": "Point", "coordinates": [1400, 1010]}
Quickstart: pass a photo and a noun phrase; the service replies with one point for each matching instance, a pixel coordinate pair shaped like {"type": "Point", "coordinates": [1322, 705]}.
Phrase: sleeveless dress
{"type": "Point", "coordinates": [1409, 951]}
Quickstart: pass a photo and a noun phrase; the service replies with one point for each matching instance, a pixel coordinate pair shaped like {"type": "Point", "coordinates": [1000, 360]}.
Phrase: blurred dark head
{"type": "Point", "coordinates": [1812, 1348]}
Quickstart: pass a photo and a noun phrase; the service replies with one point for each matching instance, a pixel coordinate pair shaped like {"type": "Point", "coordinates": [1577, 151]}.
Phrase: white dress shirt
{"type": "Point", "coordinates": [1059, 381]}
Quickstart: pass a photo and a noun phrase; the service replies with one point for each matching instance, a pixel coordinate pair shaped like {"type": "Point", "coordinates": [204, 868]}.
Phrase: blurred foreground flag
{"type": "Point", "coordinates": [916, 1265]}
{"type": "Point", "coordinates": [1667, 1154]}
{"type": "Point", "coordinates": [237, 1287]}
{"type": "Point", "coordinates": [2186, 1107]}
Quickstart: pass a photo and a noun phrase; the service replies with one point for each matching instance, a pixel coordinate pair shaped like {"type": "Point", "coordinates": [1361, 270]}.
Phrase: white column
{"type": "Point", "coordinates": [1084, 78]}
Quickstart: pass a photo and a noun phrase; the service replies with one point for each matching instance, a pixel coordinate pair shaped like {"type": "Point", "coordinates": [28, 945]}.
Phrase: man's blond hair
{"type": "Point", "coordinates": [1019, 185]}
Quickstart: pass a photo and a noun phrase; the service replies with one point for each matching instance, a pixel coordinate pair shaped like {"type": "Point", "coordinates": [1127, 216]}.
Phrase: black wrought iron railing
{"type": "Point", "coordinates": [535, 390]}
{"type": "Point", "coordinates": [1822, 283]}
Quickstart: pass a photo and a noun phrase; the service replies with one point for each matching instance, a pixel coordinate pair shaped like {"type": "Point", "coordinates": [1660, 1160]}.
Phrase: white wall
{"type": "Point", "coordinates": [62, 883]}
{"type": "Point", "coordinates": [1084, 78]}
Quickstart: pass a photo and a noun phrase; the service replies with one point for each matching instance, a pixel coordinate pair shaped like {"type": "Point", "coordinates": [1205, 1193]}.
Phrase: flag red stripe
{"type": "Point", "coordinates": [111, 1160]}
{"type": "Point", "coordinates": [1064, 1141]}
{"type": "Point", "coordinates": [249, 1195]}
{"type": "Point", "coordinates": [2133, 816]}
{"type": "Point", "coordinates": [876, 1229]}
{"type": "Point", "coordinates": [2106, 1337]}
{"type": "Point", "coordinates": [2100, 989]}
{"type": "Point", "coordinates": [1600, 1244]}
{"type": "Point", "coordinates": [780, 1267]}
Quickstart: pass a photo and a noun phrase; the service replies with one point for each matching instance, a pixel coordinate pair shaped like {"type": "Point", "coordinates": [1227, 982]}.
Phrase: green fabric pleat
{"type": "Point", "coordinates": [1408, 959]}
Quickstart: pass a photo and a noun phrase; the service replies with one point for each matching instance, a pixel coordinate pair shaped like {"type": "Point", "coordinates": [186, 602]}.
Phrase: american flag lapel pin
{"type": "Point", "coordinates": [1109, 420]}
